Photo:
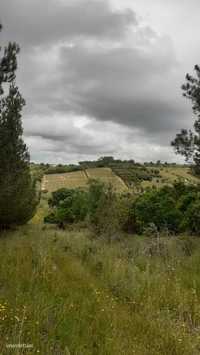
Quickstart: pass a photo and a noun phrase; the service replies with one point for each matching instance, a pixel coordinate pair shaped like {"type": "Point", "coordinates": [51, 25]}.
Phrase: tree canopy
{"type": "Point", "coordinates": [187, 142]}
{"type": "Point", "coordinates": [17, 193]}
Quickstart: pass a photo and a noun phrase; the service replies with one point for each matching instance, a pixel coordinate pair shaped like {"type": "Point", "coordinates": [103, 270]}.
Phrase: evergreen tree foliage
{"type": "Point", "coordinates": [187, 142]}
{"type": "Point", "coordinates": [17, 192]}
{"type": "Point", "coordinates": [8, 64]}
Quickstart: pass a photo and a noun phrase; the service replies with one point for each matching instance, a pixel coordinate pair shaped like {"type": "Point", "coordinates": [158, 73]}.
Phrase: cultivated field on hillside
{"type": "Point", "coordinates": [77, 179]}
{"type": "Point", "coordinates": [168, 175]}
{"type": "Point", "coordinates": [107, 176]}
{"type": "Point", "coordinates": [72, 180]}
{"type": "Point", "coordinates": [133, 177]}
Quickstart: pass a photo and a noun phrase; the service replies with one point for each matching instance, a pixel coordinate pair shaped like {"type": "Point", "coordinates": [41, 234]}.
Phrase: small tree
{"type": "Point", "coordinates": [187, 142]}
{"type": "Point", "coordinates": [17, 192]}
{"type": "Point", "coordinates": [8, 64]}
{"type": "Point", "coordinates": [67, 206]}
{"type": "Point", "coordinates": [108, 213]}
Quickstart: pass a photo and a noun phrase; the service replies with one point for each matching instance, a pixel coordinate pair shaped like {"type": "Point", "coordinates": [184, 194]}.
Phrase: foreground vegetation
{"type": "Point", "coordinates": [68, 292]}
{"type": "Point", "coordinates": [170, 209]}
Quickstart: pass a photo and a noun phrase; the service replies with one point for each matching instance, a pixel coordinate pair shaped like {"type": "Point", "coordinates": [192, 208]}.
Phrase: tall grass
{"type": "Point", "coordinates": [64, 292]}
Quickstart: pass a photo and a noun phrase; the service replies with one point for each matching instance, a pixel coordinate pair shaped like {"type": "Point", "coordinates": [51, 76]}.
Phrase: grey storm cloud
{"type": "Point", "coordinates": [123, 85]}
{"type": "Point", "coordinates": [67, 136]}
{"type": "Point", "coordinates": [85, 58]}
{"type": "Point", "coordinates": [36, 22]}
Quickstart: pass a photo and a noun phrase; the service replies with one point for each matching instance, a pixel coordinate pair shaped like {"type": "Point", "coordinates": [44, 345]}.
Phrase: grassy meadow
{"type": "Point", "coordinates": [71, 292]}
{"type": "Point", "coordinates": [66, 292]}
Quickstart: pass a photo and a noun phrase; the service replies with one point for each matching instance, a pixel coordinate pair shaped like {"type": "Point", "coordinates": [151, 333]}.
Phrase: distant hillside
{"type": "Point", "coordinates": [170, 174]}
{"type": "Point", "coordinates": [141, 177]}
{"type": "Point", "coordinates": [122, 174]}
{"type": "Point", "coordinates": [122, 178]}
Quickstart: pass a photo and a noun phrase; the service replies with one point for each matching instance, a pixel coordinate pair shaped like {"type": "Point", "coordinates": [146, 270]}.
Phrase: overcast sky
{"type": "Point", "coordinates": [103, 77]}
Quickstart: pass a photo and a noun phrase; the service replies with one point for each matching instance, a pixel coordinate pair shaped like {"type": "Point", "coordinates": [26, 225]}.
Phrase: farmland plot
{"type": "Point", "coordinates": [107, 176]}
{"type": "Point", "coordinates": [53, 182]}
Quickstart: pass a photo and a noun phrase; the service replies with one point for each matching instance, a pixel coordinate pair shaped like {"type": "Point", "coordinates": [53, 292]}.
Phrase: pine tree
{"type": "Point", "coordinates": [8, 64]}
{"type": "Point", "coordinates": [187, 142]}
{"type": "Point", "coordinates": [17, 192]}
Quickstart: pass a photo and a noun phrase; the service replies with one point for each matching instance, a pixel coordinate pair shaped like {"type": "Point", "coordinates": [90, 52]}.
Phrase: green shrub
{"type": "Point", "coordinates": [106, 212]}
{"type": "Point", "coordinates": [58, 196]}
{"type": "Point", "coordinates": [109, 213]}
{"type": "Point", "coordinates": [95, 194]}
{"type": "Point", "coordinates": [171, 209]}
{"type": "Point", "coordinates": [68, 205]}
{"type": "Point", "coordinates": [102, 208]}
{"type": "Point", "coordinates": [158, 207]}
{"type": "Point", "coordinates": [51, 218]}
{"type": "Point", "coordinates": [191, 220]}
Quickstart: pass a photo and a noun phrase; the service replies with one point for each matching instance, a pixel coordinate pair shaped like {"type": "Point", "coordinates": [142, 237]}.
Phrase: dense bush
{"type": "Point", "coordinates": [191, 220]}
{"type": "Point", "coordinates": [106, 212]}
{"type": "Point", "coordinates": [58, 196]}
{"type": "Point", "coordinates": [109, 212]}
{"type": "Point", "coordinates": [103, 209]}
{"type": "Point", "coordinates": [175, 208]}
{"type": "Point", "coordinates": [158, 207]}
{"type": "Point", "coordinates": [68, 206]}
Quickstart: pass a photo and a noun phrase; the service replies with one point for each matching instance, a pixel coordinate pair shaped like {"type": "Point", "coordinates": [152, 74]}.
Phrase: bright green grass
{"type": "Point", "coordinates": [65, 292]}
